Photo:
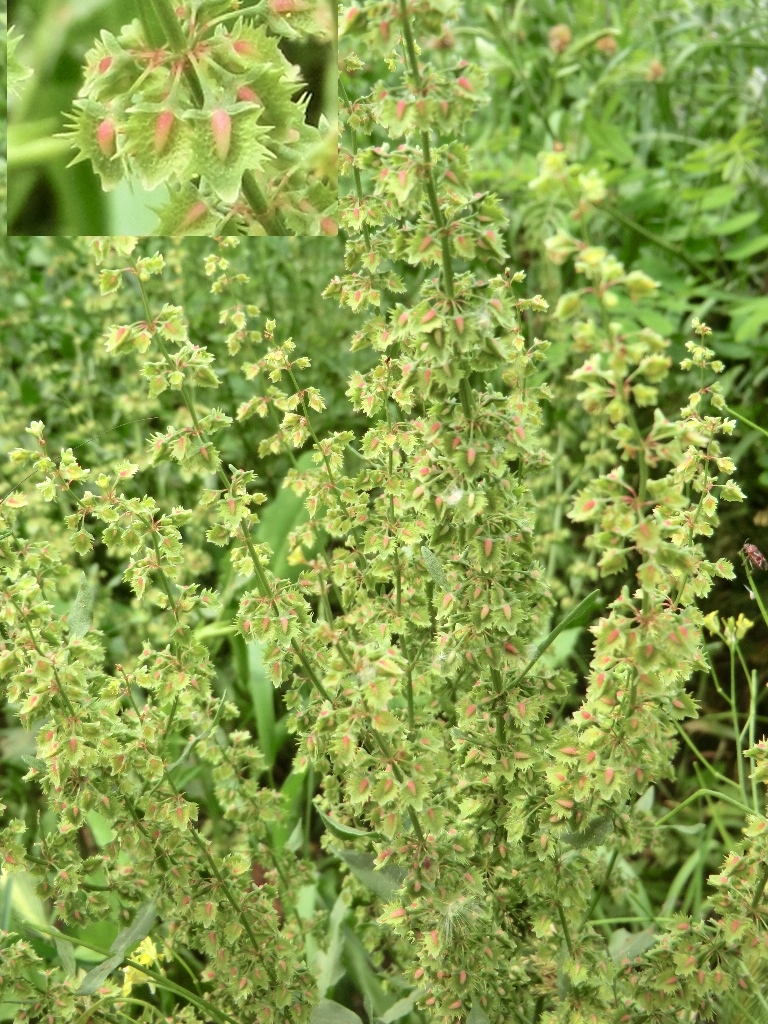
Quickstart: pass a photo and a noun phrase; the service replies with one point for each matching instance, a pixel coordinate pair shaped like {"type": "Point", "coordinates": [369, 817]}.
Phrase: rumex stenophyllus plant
{"type": "Point", "coordinates": [477, 788]}
{"type": "Point", "coordinates": [199, 96]}
{"type": "Point", "coordinates": [623, 736]}
{"type": "Point", "coordinates": [413, 657]}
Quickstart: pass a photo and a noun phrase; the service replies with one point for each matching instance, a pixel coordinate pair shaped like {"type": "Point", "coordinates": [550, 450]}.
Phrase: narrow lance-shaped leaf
{"type": "Point", "coordinates": [434, 568]}
{"type": "Point", "coordinates": [81, 614]}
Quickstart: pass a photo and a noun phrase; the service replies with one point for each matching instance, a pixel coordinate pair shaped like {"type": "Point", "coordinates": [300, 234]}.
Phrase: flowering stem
{"type": "Point", "coordinates": [437, 213]}
{"type": "Point", "coordinates": [23, 618]}
{"type": "Point", "coordinates": [355, 168]}
{"type": "Point", "coordinates": [399, 776]}
{"type": "Point", "coordinates": [258, 569]}
{"type": "Point", "coordinates": [160, 14]}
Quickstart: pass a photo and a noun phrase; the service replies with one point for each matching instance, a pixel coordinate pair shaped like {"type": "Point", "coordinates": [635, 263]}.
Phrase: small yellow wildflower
{"type": "Point", "coordinates": [146, 954]}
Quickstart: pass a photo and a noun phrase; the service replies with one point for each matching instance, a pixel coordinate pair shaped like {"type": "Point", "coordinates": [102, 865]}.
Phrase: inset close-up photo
{"type": "Point", "coordinates": [196, 117]}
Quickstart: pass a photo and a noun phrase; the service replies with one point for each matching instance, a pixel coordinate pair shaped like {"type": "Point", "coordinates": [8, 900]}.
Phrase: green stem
{"type": "Point", "coordinates": [434, 204]}
{"type": "Point", "coordinates": [254, 194]}
{"type": "Point", "coordinates": [564, 925]}
{"type": "Point", "coordinates": [355, 168]}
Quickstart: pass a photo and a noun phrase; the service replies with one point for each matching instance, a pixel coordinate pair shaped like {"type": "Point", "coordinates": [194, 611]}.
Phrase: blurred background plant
{"type": "Point", "coordinates": [45, 197]}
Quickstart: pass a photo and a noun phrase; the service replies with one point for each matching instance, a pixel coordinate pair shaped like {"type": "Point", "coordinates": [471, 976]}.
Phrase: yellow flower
{"type": "Point", "coordinates": [145, 954]}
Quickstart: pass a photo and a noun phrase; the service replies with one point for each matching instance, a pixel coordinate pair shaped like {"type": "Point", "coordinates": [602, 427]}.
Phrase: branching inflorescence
{"type": "Point", "coordinates": [202, 99]}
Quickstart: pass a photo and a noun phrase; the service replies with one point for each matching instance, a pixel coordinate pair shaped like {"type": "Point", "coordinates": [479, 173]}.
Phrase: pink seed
{"type": "Point", "coordinates": [196, 211]}
{"type": "Point", "coordinates": [104, 64]}
{"type": "Point", "coordinates": [248, 95]}
{"type": "Point", "coordinates": [221, 126]}
{"type": "Point", "coordinates": [163, 126]}
{"type": "Point", "coordinates": [286, 6]}
{"type": "Point", "coordinates": [105, 137]}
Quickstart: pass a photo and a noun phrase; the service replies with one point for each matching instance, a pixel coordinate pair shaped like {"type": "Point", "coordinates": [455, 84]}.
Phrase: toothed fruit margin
{"type": "Point", "coordinates": [203, 118]}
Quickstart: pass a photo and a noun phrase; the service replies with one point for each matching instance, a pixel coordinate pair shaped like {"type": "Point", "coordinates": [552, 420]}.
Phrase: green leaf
{"type": "Point", "coordinates": [434, 568]}
{"type": "Point", "coordinates": [401, 1008]}
{"type": "Point", "coordinates": [342, 831]}
{"type": "Point", "coordinates": [329, 1012]}
{"type": "Point", "coordinates": [594, 834]}
{"type": "Point", "coordinates": [331, 968]}
{"type": "Point", "coordinates": [748, 248]}
{"type": "Point", "coordinates": [66, 952]}
{"type": "Point", "coordinates": [262, 699]}
{"type": "Point", "coordinates": [733, 224]}
{"type": "Point", "coordinates": [607, 138]}
{"type": "Point", "coordinates": [718, 197]}
{"type": "Point", "coordinates": [384, 882]}
{"type": "Point", "coordinates": [286, 511]}
{"type": "Point", "coordinates": [95, 979]}
{"type": "Point", "coordinates": [477, 1015]}
{"type": "Point", "coordinates": [579, 616]}
{"type": "Point", "coordinates": [137, 930]}
{"type": "Point", "coordinates": [81, 613]}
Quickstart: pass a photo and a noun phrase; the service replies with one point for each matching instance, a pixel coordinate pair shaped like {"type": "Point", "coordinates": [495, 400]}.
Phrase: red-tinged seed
{"type": "Point", "coordinates": [105, 64]}
{"type": "Point", "coordinates": [429, 315]}
{"type": "Point", "coordinates": [196, 212]}
{"type": "Point", "coordinates": [105, 137]}
{"type": "Point", "coordinates": [488, 545]}
{"type": "Point", "coordinates": [163, 126]}
{"type": "Point", "coordinates": [471, 456]}
{"type": "Point", "coordinates": [328, 226]}
{"type": "Point", "coordinates": [247, 95]}
{"type": "Point", "coordinates": [426, 243]}
{"type": "Point", "coordinates": [460, 324]}
{"type": "Point", "coordinates": [507, 611]}
{"type": "Point", "coordinates": [242, 46]}
{"type": "Point", "coordinates": [401, 105]}
{"type": "Point", "coordinates": [403, 318]}
{"type": "Point", "coordinates": [465, 83]}
{"type": "Point", "coordinates": [221, 126]}
{"type": "Point", "coordinates": [384, 29]}
{"type": "Point", "coordinates": [484, 611]}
